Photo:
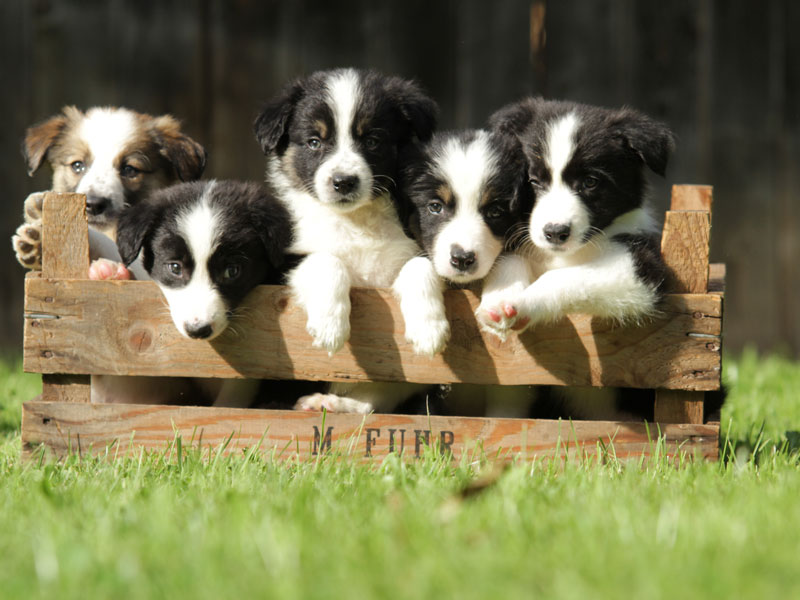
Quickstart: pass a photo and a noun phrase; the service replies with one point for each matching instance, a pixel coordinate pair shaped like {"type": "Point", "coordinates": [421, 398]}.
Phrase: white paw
{"type": "Point", "coordinates": [428, 336]}
{"type": "Point", "coordinates": [27, 243]}
{"type": "Point", "coordinates": [102, 268]}
{"type": "Point", "coordinates": [330, 331]}
{"type": "Point", "coordinates": [332, 403]}
{"type": "Point", "coordinates": [33, 207]}
{"type": "Point", "coordinates": [499, 314]}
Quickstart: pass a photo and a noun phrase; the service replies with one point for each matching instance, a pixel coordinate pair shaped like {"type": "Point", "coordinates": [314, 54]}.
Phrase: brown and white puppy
{"type": "Point", "coordinates": [115, 156]}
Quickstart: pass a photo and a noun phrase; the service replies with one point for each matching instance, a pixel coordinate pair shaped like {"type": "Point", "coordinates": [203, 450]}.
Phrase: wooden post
{"type": "Point", "coordinates": [65, 255]}
{"type": "Point", "coordinates": [684, 246]}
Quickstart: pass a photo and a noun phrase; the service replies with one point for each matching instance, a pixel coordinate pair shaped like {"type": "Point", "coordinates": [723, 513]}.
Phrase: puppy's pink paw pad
{"type": "Point", "coordinates": [103, 269]}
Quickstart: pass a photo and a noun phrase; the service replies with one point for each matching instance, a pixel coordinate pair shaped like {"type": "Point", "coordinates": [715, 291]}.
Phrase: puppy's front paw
{"type": "Point", "coordinates": [27, 243]}
{"type": "Point", "coordinates": [500, 317]}
{"type": "Point", "coordinates": [330, 331]}
{"type": "Point", "coordinates": [428, 336]}
{"type": "Point", "coordinates": [102, 268]}
{"type": "Point", "coordinates": [33, 207]}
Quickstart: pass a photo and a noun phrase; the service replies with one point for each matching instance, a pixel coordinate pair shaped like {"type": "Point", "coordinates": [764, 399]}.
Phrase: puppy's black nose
{"type": "Point", "coordinates": [461, 259]}
{"type": "Point", "coordinates": [96, 205]}
{"type": "Point", "coordinates": [199, 331]}
{"type": "Point", "coordinates": [556, 233]}
{"type": "Point", "coordinates": [344, 184]}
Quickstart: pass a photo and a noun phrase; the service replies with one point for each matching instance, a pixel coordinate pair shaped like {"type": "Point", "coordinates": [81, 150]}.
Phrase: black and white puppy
{"type": "Point", "coordinates": [207, 245]}
{"type": "Point", "coordinates": [592, 243]}
{"type": "Point", "coordinates": [469, 195]}
{"type": "Point", "coordinates": [333, 142]}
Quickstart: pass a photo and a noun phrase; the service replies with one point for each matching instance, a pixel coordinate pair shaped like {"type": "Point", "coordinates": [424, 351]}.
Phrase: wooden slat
{"type": "Point", "coordinates": [62, 427]}
{"type": "Point", "coordinates": [65, 388]}
{"type": "Point", "coordinates": [692, 197]}
{"type": "Point", "coordinates": [679, 406]}
{"type": "Point", "coordinates": [65, 241]}
{"type": "Point", "coordinates": [684, 246]}
{"type": "Point", "coordinates": [65, 254]}
{"type": "Point", "coordinates": [123, 328]}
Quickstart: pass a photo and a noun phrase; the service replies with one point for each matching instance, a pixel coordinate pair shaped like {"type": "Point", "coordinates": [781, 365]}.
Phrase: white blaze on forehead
{"type": "Point", "coordinates": [466, 169]}
{"type": "Point", "coordinates": [560, 144]}
{"type": "Point", "coordinates": [344, 92]}
{"type": "Point", "coordinates": [199, 302]}
{"type": "Point", "coordinates": [559, 204]}
{"type": "Point", "coordinates": [106, 131]}
{"type": "Point", "coordinates": [343, 89]}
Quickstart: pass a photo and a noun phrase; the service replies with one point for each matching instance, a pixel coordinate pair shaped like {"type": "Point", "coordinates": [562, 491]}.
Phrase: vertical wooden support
{"type": "Point", "coordinates": [65, 255]}
{"type": "Point", "coordinates": [684, 246]}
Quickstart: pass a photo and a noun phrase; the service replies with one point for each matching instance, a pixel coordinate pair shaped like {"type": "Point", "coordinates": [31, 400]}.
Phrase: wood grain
{"type": "Point", "coordinates": [65, 242]}
{"type": "Point", "coordinates": [692, 197]}
{"type": "Point", "coordinates": [65, 388]}
{"type": "Point", "coordinates": [684, 246]}
{"type": "Point", "coordinates": [65, 254]}
{"type": "Point", "coordinates": [123, 328]}
{"type": "Point", "coordinates": [678, 406]}
{"type": "Point", "coordinates": [123, 429]}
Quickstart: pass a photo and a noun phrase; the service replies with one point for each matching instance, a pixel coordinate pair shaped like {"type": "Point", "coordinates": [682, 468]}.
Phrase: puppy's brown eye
{"type": "Point", "coordinates": [495, 211]}
{"type": "Point", "coordinates": [232, 271]}
{"type": "Point", "coordinates": [175, 268]}
{"type": "Point", "coordinates": [78, 167]}
{"type": "Point", "coordinates": [129, 171]}
{"type": "Point", "coordinates": [590, 182]}
{"type": "Point", "coordinates": [314, 143]}
{"type": "Point", "coordinates": [435, 207]}
{"type": "Point", "coordinates": [372, 142]}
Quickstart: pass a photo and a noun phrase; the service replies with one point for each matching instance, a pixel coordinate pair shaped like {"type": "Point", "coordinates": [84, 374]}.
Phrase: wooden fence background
{"type": "Point", "coordinates": [725, 74]}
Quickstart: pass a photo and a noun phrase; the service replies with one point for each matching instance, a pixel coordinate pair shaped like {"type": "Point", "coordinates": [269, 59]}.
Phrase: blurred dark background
{"type": "Point", "coordinates": [724, 74]}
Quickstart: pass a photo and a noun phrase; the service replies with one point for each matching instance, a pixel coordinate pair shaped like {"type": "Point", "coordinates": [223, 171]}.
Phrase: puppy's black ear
{"type": "Point", "coordinates": [652, 141]}
{"type": "Point", "coordinates": [186, 155]}
{"type": "Point", "coordinates": [271, 221]}
{"type": "Point", "coordinates": [135, 224]}
{"type": "Point", "coordinates": [40, 137]}
{"type": "Point", "coordinates": [416, 107]}
{"type": "Point", "coordinates": [272, 124]}
{"type": "Point", "coordinates": [512, 119]}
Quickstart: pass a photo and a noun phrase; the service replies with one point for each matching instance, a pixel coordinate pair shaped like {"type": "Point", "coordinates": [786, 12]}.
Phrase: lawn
{"type": "Point", "coordinates": [245, 527]}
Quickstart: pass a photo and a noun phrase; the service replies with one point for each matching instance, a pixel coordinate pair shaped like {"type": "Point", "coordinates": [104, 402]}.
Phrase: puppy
{"type": "Point", "coordinates": [332, 142]}
{"type": "Point", "coordinates": [113, 155]}
{"type": "Point", "coordinates": [469, 195]}
{"type": "Point", "coordinates": [592, 244]}
{"type": "Point", "coordinates": [207, 245]}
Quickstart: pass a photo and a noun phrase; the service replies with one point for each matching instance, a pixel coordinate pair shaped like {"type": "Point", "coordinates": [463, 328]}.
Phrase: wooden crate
{"type": "Point", "coordinates": [75, 327]}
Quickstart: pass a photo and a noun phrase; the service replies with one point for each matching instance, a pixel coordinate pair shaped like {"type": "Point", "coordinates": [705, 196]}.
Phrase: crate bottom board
{"type": "Point", "coordinates": [121, 429]}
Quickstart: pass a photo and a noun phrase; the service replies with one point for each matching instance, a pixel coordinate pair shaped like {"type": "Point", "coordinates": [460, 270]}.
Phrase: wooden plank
{"type": "Point", "coordinates": [692, 197]}
{"type": "Point", "coordinates": [678, 406]}
{"type": "Point", "coordinates": [684, 246]}
{"type": "Point", "coordinates": [66, 388]}
{"type": "Point", "coordinates": [65, 247]}
{"type": "Point", "coordinates": [65, 427]}
{"type": "Point", "coordinates": [123, 328]}
{"type": "Point", "coordinates": [65, 254]}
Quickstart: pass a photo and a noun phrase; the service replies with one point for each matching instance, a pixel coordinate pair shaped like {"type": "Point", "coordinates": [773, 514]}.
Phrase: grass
{"type": "Point", "coordinates": [148, 527]}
